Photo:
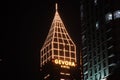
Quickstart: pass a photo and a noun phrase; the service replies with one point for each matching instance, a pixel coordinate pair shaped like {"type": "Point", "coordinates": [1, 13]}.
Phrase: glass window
{"type": "Point", "coordinates": [73, 60]}
{"type": "Point", "coordinates": [67, 59]}
{"type": "Point", "coordinates": [95, 69]}
{"type": "Point", "coordinates": [72, 48]}
{"type": "Point", "coordinates": [58, 29]}
{"type": "Point", "coordinates": [99, 76]}
{"type": "Point", "coordinates": [55, 45]}
{"type": "Point", "coordinates": [117, 14]}
{"type": "Point", "coordinates": [83, 37]}
{"type": "Point", "coordinates": [66, 41]}
{"type": "Point", "coordinates": [67, 54]}
{"type": "Point", "coordinates": [55, 39]}
{"type": "Point", "coordinates": [90, 72]}
{"type": "Point", "coordinates": [61, 53]}
{"type": "Point", "coordinates": [95, 60]}
{"type": "Point", "coordinates": [104, 63]}
{"type": "Point", "coordinates": [72, 55]}
{"type": "Point", "coordinates": [90, 63]}
{"type": "Point", "coordinates": [55, 52]}
{"type": "Point", "coordinates": [60, 40]}
{"type": "Point", "coordinates": [108, 16]}
{"type": "Point", "coordinates": [63, 35]}
{"type": "Point", "coordinates": [99, 67]}
{"type": "Point", "coordinates": [86, 77]}
{"type": "Point", "coordinates": [96, 77]}
{"type": "Point", "coordinates": [59, 35]}
{"type": "Point", "coordinates": [85, 68]}
{"type": "Point", "coordinates": [95, 2]}
{"type": "Point", "coordinates": [55, 29]}
{"type": "Point", "coordinates": [105, 72]}
{"type": "Point", "coordinates": [55, 57]}
{"type": "Point", "coordinates": [66, 47]}
{"type": "Point", "coordinates": [61, 46]}
{"type": "Point", "coordinates": [97, 25]}
{"type": "Point", "coordinates": [61, 58]}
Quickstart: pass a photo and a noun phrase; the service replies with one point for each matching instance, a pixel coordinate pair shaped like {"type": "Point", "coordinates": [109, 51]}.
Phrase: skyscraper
{"type": "Point", "coordinates": [100, 30]}
{"type": "Point", "coordinates": [58, 54]}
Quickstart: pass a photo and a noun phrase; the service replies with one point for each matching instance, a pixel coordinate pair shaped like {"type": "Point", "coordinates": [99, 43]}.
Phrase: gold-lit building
{"type": "Point", "coordinates": [58, 54]}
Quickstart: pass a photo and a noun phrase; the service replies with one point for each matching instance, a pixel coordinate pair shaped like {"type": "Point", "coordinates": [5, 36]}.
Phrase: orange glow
{"type": "Point", "coordinates": [65, 63]}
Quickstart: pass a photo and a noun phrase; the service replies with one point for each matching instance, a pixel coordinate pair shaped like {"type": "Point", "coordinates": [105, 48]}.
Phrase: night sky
{"type": "Point", "coordinates": [28, 26]}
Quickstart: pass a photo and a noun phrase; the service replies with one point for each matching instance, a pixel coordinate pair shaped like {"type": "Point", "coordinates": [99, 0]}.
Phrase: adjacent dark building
{"type": "Point", "coordinates": [100, 31]}
{"type": "Point", "coordinates": [58, 54]}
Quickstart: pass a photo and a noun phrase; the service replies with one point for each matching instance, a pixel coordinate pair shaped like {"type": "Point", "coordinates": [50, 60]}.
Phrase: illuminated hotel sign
{"type": "Point", "coordinates": [64, 64]}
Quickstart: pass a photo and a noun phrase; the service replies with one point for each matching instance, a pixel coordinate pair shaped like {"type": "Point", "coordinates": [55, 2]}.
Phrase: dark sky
{"type": "Point", "coordinates": [28, 26]}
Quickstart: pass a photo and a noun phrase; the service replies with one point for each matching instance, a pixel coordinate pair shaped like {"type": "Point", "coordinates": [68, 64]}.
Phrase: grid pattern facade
{"type": "Point", "coordinates": [99, 32]}
{"type": "Point", "coordinates": [58, 44]}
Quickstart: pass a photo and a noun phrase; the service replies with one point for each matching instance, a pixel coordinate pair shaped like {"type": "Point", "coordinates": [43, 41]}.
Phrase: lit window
{"type": "Point", "coordinates": [95, 1]}
{"type": "Point", "coordinates": [97, 25]}
{"type": "Point", "coordinates": [83, 37]}
{"type": "Point", "coordinates": [108, 16]}
{"type": "Point", "coordinates": [117, 14]}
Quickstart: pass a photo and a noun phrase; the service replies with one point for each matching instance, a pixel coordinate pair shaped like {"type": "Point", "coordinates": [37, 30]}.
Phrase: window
{"type": "Point", "coordinates": [105, 72]}
{"type": "Point", "coordinates": [99, 67]}
{"type": "Point", "coordinates": [55, 52]}
{"type": "Point", "coordinates": [104, 63]}
{"type": "Point", "coordinates": [84, 60]}
{"type": "Point", "coordinates": [55, 45]}
{"type": "Point", "coordinates": [61, 53]}
{"type": "Point", "coordinates": [97, 25]}
{"type": "Point", "coordinates": [59, 35]}
{"type": "Point", "coordinates": [117, 14]}
{"type": "Point", "coordinates": [95, 2]}
{"type": "Point", "coordinates": [90, 63]}
{"type": "Point", "coordinates": [108, 16]}
{"type": "Point", "coordinates": [95, 69]}
{"type": "Point", "coordinates": [67, 54]}
{"type": "Point", "coordinates": [85, 68]}
{"type": "Point", "coordinates": [110, 69]}
{"type": "Point", "coordinates": [96, 77]}
{"type": "Point", "coordinates": [66, 41]}
{"type": "Point", "coordinates": [99, 76]}
{"type": "Point", "coordinates": [95, 60]}
{"type": "Point", "coordinates": [61, 46]}
{"type": "Point", "coordinates": [66, 47]}
{"type": "Point", "coordinates": [60, 40]}
{"type": "Point", "coordinates": [83, 37]}
{"type": "Point", "coordinates": [58, 29]}
{"type": "Point", "coordinates": [90, 72]}
{"type": "Point", "coordinates": [55, 39]}
{"type": "Point", "coordinates": [98, 58]}
{"type": "Point", "coordinates": [86, 77]}
{"type": "Point", "coordinates": [72, 48]}
{"type": "Point", "coordinates": [63, 35]}
{"type": "Point", "coordinates": [72, 55]}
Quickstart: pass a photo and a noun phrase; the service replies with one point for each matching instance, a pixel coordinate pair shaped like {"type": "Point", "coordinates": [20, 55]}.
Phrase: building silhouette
{"type": "Point", "coordinates": [58, 54]}
{"type": "Point", "coordinates": [100, 34]}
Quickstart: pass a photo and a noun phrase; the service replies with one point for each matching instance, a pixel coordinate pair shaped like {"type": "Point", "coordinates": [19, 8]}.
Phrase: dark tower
{"type": "Point", "coordinates": [58, 54]}
{"type": "Point", "coordinates": [100, 30]}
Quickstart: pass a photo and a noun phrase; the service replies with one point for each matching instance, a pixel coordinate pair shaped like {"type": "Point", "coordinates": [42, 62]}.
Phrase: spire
{"type": "Point", "coordinates": [58, 36]}
{"type": "Point", "coordinates": [56, 6]}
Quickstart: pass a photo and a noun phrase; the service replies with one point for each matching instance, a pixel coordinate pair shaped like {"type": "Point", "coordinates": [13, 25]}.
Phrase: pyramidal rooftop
{"type": "Point", "coordinates": [58, 44]}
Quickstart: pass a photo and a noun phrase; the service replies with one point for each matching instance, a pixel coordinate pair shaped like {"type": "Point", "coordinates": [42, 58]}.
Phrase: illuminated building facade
{"type": "Point", "coordinates": [58, 54]}
{"type": "Point", "coordinates": [100, 34]}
